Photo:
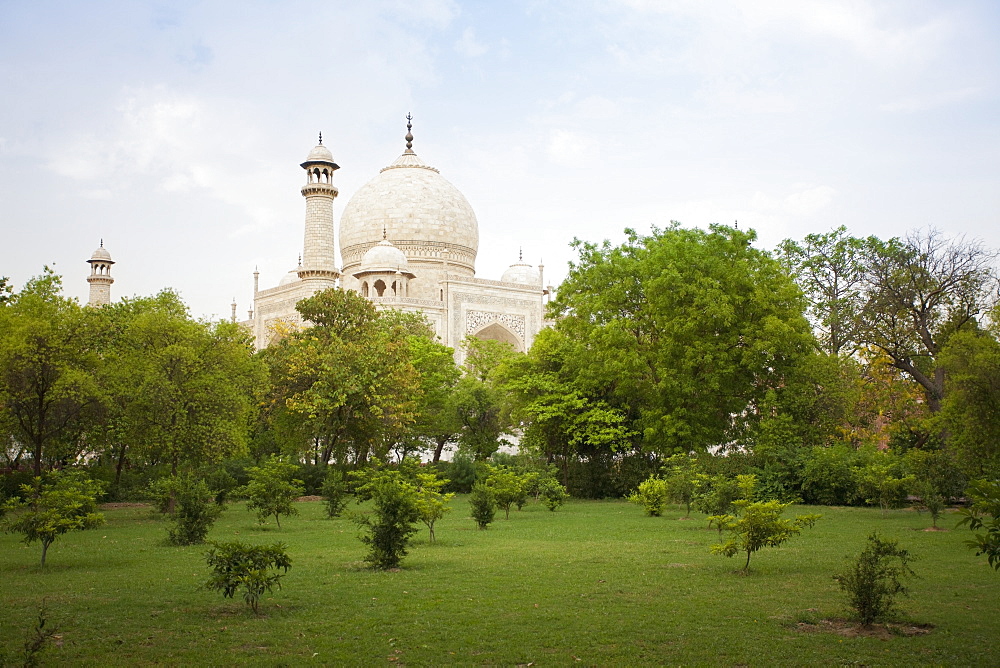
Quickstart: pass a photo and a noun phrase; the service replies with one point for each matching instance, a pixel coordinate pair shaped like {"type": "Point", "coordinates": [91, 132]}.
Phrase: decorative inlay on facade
{"type": "Point", "coordinates": [476, 320]}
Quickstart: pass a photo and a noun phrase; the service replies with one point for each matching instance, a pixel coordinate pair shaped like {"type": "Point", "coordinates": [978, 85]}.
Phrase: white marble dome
{"type": "Point", "coordinates": [101, 255]}
{"type": "Point", "coordinates": [290, 277]}
{"type": "Point", "coordinates": [521, 273]}
{"type": "Point", "coordinates": [414, 206]}
{"type": "Point", "coordinates": [319, 153]}
{"type": "Point", "coordinates": [384, 256]}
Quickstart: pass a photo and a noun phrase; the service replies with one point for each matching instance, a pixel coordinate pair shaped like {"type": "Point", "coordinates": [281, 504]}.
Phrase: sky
{"type": "Point", "coordinates": [174, 130]}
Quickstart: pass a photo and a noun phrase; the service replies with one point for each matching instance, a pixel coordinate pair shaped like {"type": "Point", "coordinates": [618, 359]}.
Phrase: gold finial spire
{"type": "Point", "coordinates": [409, 134]}
{"type": "Point", "coordinates": [384, 233]}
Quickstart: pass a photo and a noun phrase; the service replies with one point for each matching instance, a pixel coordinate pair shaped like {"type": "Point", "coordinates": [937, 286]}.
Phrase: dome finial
{"type": "Point", "coordinates": [385, 233]}
{"type": "Point", "coordinates": [520, 253]}
{"type": "Point", "coordinates": [320, 137]}
{"type": "Point", "coordinates": [102, 242]}
{"type": "Point", "coordinates": [409, 134]}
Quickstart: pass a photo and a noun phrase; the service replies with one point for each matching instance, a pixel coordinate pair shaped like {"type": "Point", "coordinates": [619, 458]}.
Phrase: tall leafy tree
{"type": "Point", "coordinates": [687, 329]}
{"type": "Point", "coordinates": [829, 268]}
{"type": "Point", "coordinates": [348, 380]}
{"type": "Point", "coordinates": [971, 408]}
{"type": "Point", "coordinates": [180, 390]}
{"type": "Point", "coordinates": [921, 290]}
{"type": "Point", "coordinates": [48, 365]}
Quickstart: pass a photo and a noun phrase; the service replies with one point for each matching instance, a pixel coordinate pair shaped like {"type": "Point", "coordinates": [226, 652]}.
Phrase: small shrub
{"type": "Point", "coordinates": [272, 490]}
{"type": "Point", "coordinates": [872, 580]}
{"type": "Point", "coordinates": [194, 513]}
{"type": "Point", "coordinates": [461, 474]}
{"type": "Point", "coordinates": [251, 569]}
{"type": "Point", "coordinates": [984, 513]}
{"type": "Point", "coordinates": [930, 500]}
{"type": "Point", "coordinates": [553, 494]}
{"type": "Point", "coordinates": [334, 492]}
{"type": "Point", "coordinates": [484, 505]}
{"type": "Point", "coordinates": [508, 488]}
{"type": "Point", "coordinates": [394, 515]}
{"type": "Point", "coordinates": [681, 477]}
{"type": "Point", "coordinates": [36, 640]}
{"type": "Point", "coordinates": [431, 503]}
{"type": "Point", "coordinates": [652, 495]}
{"type": "Point", "coordinates": [715, 496]}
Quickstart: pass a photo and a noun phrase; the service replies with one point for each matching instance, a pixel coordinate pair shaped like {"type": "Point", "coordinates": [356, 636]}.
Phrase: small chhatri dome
{"type": "Point", "coordinates": [101, 255]}
{"type": "Point", "coordinates": [290, 277]}
{"type": "Point", "coordinates": [519, 272]}
{"type": "Point", "coordinates": [320, 154]}
{"type": "Point", "coordinates": [384, 256]}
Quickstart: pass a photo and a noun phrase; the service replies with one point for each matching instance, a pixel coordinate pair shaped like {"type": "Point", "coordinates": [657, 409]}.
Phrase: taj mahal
{"type": "Point", "coordinates": [408, 240]}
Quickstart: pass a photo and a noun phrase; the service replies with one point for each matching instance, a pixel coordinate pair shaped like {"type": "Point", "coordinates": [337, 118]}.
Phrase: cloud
{"type": "Point", "coordinates": [570, 149]}
{"type": "Point", "coordinates": [924, 102]}
{"type": "Point", "coordinates": [468, 46]}
{"type": "Point", "coordinates": [802, 203]}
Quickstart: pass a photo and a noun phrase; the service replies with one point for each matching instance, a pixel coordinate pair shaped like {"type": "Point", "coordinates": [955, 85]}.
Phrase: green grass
{"type": "Point", "coordinates": [595, 582]}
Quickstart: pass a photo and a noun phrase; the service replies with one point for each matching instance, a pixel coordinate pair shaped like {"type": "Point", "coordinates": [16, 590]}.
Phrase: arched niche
{"type": "Point", "coordinates": [497, 332]}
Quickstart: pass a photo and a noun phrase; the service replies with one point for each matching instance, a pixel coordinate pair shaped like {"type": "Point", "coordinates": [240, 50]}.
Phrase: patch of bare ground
{"type": "Point", "coordinates": [114, 506]}
{"type": "Point", "coordinates": [310, 498]}
{"type": "Point", "coordinates": [852, 629]}
{"type": "Point", "coordinates": [934, 529]}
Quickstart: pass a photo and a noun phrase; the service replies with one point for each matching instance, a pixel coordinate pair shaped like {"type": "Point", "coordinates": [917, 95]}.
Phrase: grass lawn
{"type": "Point", "coordinates": [595, 582]}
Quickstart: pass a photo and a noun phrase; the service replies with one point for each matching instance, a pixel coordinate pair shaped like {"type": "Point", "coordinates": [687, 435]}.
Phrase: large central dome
{"type": "Point", "coordinates": [419, 211]}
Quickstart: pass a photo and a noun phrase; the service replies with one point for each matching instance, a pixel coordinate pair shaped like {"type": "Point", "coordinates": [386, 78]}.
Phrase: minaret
{"type": "Point", "coordinates": [318, 259]}
{"type": "Point", "coordinates": [100, 277]}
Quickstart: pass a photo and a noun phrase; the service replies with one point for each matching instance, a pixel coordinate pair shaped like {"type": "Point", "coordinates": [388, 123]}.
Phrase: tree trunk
{"type": "Point", "coordinates": [45, 548]}
{"type": "Point", "coordinates": [438, 449]}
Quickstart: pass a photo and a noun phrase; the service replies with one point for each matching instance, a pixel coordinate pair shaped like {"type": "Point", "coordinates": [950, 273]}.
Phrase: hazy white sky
{"type": "Point", "coordinates": [174, 130]}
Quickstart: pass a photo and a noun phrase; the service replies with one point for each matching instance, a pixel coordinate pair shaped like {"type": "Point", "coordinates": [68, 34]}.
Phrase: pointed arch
{"type": "Point", "coordinates": [497, 332]}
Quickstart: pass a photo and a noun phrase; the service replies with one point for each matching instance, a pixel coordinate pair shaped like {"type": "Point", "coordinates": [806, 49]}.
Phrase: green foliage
{"type": "Point", "coordinates": [272, 489]}
{"type": "Point", "coordinates": [346, 388]}
{"type": "Point", "coordinates": [829, 477]}
{"type": "Point", "coordinates": [460, 473]}
{"type": "Point", "coordinates": [971, 408]}
{"type": "Point", "coordinates": [508, 486]}
{"type": "Point", "coordinates": [715, 495]}
{"type": "Point", "coordinates": [681, 475]}
{"type": "Point", "coordinates": [36, 640]}
{"type": "Point", "coordinates": [194, 513]}
{"type": "Point", "coordinates": [872, 580]}
{"type": "Point", "coordinates": [395, 512]}
{"type": "Point", "coordinates": [652, 494]}
{"type": "Point", "coordinates": [553, 494]}
{"type": "Point", "coordinates": [334, 492]}
{"type": "Point", "coordinates": [48, 368]}
{"type": "Point", "coordinates": [883, 481]}
{"type": "Point", "coordinates": [66, 502]}
{"type": "Point", "coordinates": [929, 500]}
{"type": "Point", "coordinates": [710, 325]}
{"type": "Point", "coordinates": [246, 568]}
{"type": "Point", "coordinates": [432, 504]}
{"type": "Point", "coordinates": [484, 505]}
{"type": "Point", "coordinates": [754, 525]}
{"type": "Point", "coordinates": [984, 513]}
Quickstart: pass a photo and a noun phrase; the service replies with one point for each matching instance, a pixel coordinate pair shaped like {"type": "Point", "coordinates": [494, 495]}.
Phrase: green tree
{"type": "Point", "coordinates": [872, 580]}
{"type": "Point", "coordinates": [830, 269]}
{"type": "Point", "coordinates": [272, 489]}
{"type": "Point", "coordinates": [395, 513]}
{"type": "Point", "coordinates": [754, 525]}
{"type": "Point", "coordinates": [484, 505]}
{"type": "Point", "coordinates": [48, 367]}
{"type": "Point", "coordinates": [710, 323]}
{"type": "Point", "coordinates": [432, 504]}
{"type": "Point", "coordinates": [984, 513]}
{"type": "Point", "coordinates": [508, 487]}
{"type": "Point", "coordinates": [681, 475]}
{"type": "Point", "coordinates": [347, 384]}
{"type": "Point", "coordinates": [248, 568]}
{"type": "Point", "coordinates": [195, 512]}
{"type": "Point", "coordinates": [883, 481]}
{"type": "Point", "coordinates": [334, 492]}
{"type": "Point", "coordinates": [180, 391]}
{"type": "Point", "coordinates": [652, 494]}
{"type": "Point", "coordinates": [67, 502]}
{"type": "Point", "coordinates": [971, 408]}
{"type": "Point", "coordinates": [436, 418]}
{"type": "Point", "coordinates": [921, 290]}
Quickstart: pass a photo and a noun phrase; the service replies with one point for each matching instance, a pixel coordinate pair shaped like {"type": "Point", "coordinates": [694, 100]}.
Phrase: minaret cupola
{"type": "Point", "coordinates": [318, 260]}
